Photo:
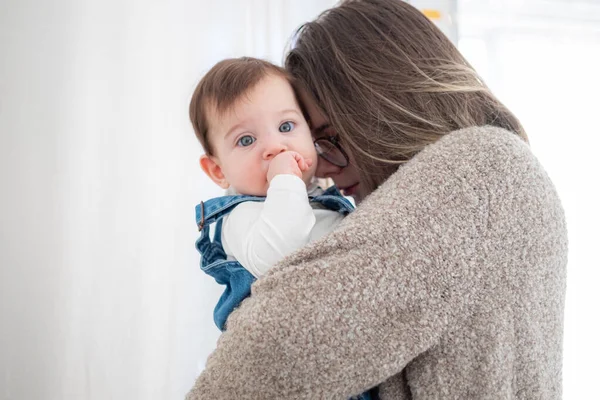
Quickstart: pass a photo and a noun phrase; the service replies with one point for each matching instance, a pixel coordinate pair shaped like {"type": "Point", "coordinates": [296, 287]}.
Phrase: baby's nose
{"type": "Point", "coordinates": [273, 149]}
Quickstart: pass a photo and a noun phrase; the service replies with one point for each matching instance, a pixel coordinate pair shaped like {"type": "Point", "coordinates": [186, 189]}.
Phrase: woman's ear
{"type": "Point", "coordinates": [211, 168]}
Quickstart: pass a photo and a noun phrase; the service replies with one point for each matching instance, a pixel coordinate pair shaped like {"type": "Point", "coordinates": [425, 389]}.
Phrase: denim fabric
{"type": "Point", "coordinates": [371, 394]}
{"type": "Point", "coordinates": [236, 279]}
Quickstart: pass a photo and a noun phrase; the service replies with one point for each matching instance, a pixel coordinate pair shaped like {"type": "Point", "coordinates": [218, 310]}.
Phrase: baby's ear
{"type": "Point", "coordinates": [210, 166]}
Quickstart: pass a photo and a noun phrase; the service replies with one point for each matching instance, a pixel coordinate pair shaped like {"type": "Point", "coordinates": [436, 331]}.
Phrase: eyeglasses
{"type": "Point", "coordinates": [329, 149]}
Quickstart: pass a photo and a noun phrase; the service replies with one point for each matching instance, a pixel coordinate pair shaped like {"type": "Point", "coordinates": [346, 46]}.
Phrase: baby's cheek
{"type": "Point", "coordinates": [312, 153]}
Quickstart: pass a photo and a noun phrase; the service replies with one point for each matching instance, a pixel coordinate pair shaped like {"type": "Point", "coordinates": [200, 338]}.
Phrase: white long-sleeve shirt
{"type": "Point", "coordinates": [259, 234]}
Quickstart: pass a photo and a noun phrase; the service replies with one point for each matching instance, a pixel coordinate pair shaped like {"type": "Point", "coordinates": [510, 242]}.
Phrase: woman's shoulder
{"type": "Point", "coordinates": [481, 142]}
{"type": "Point", "coordinates": [475, 153]}
{"type": "Point", "coordinates": [477, 163]}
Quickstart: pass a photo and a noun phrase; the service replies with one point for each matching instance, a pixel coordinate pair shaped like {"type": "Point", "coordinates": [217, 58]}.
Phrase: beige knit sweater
{"type": "Point", "coordinates": [448, 282]}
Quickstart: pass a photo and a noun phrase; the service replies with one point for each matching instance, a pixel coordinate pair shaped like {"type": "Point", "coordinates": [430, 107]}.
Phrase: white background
{"type": "Point", "coordinates": [101, 293]}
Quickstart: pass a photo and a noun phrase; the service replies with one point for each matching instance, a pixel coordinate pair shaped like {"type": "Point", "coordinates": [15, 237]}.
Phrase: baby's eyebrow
{"type": "Point", "coordinates": [233, 129]}
{"type": "Point", "coordinates": [290, 110]}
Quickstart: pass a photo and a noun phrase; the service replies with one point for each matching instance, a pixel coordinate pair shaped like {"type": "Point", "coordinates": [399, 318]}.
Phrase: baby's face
{"type": "Point", "coordinates": [261, 124]}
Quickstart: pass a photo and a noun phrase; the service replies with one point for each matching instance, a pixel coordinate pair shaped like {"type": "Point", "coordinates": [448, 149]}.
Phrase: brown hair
{"type": "Point", "coordinates": [389, 82]}
{"type": "Point", "coordinates": [222, 86]}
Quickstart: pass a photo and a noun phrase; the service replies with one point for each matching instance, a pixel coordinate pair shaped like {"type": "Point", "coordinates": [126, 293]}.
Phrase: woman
{"type": "Point", "coordinates": [448, 281]}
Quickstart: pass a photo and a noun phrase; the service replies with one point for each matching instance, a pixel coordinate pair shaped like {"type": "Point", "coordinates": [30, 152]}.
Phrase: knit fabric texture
{"type": "Point", "coordinates": [447, 282]}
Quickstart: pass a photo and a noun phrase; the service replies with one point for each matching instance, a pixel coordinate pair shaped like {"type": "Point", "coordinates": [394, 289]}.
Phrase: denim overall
{"type": "Point", "coordinates": [231, 273]}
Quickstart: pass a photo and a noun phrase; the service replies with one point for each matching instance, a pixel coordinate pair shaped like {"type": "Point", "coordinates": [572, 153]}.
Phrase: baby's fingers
{"type": "Point", "coordinates": [300, 161]}
{"type": "Point", "coordinates": [305, 165]}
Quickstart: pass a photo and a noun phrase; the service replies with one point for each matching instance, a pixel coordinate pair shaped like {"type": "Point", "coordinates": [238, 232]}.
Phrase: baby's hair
{"type": "Point", "coordinates": [222, 86]}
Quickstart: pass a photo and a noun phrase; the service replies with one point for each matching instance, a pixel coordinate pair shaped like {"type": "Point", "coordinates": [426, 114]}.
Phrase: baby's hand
{"type": "Point", "coordinates": [288, 162]}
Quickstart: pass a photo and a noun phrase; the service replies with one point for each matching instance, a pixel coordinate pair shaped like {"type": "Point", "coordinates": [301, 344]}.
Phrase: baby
{"type": "Point", "coordinates": [258, 145]}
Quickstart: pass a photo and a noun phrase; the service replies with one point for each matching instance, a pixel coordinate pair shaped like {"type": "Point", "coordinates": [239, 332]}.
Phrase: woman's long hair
{"type": "Point", "coordinates": [389, 82]}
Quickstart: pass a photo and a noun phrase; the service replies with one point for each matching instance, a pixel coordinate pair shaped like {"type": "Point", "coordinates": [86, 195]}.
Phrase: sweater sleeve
{"type": "Point", "coordinates": [352, 309]}
{"type": "Point", "coordinates": [260, 234]}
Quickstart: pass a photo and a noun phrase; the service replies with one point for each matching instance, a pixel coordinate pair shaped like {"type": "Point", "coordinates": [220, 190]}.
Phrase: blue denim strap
{"type": "Point", "coordinates": [210, 251]}
{"type": "Point", "coordinates": [332, 191]}
{"type": "Point", "coordinates": [333, 200]}
{"type": "Point", "coordinates": [207, 212]}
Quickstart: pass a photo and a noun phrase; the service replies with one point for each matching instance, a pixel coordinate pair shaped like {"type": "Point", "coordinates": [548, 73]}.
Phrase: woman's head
{"type": "Point", "coordinates": [388, 82]}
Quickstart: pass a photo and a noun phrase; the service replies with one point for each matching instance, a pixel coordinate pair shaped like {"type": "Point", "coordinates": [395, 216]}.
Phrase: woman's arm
{"type": "Point", "coordinates": [352, 309]}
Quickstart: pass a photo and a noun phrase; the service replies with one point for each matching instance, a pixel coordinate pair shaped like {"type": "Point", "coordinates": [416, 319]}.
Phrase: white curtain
{"type": "Point", "coordinates": [101, 293]}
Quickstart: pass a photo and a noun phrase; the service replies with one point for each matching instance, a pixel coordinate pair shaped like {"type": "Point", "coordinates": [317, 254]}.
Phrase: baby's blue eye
{"type": "Point", "coordinates": [246, 141]}
{"type": "Point", "coordinates": [286, 126]}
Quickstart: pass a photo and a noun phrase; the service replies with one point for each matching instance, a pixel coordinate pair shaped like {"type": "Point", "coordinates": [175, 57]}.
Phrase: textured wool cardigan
{"type": "Point", "coordinates": [447, 282]}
